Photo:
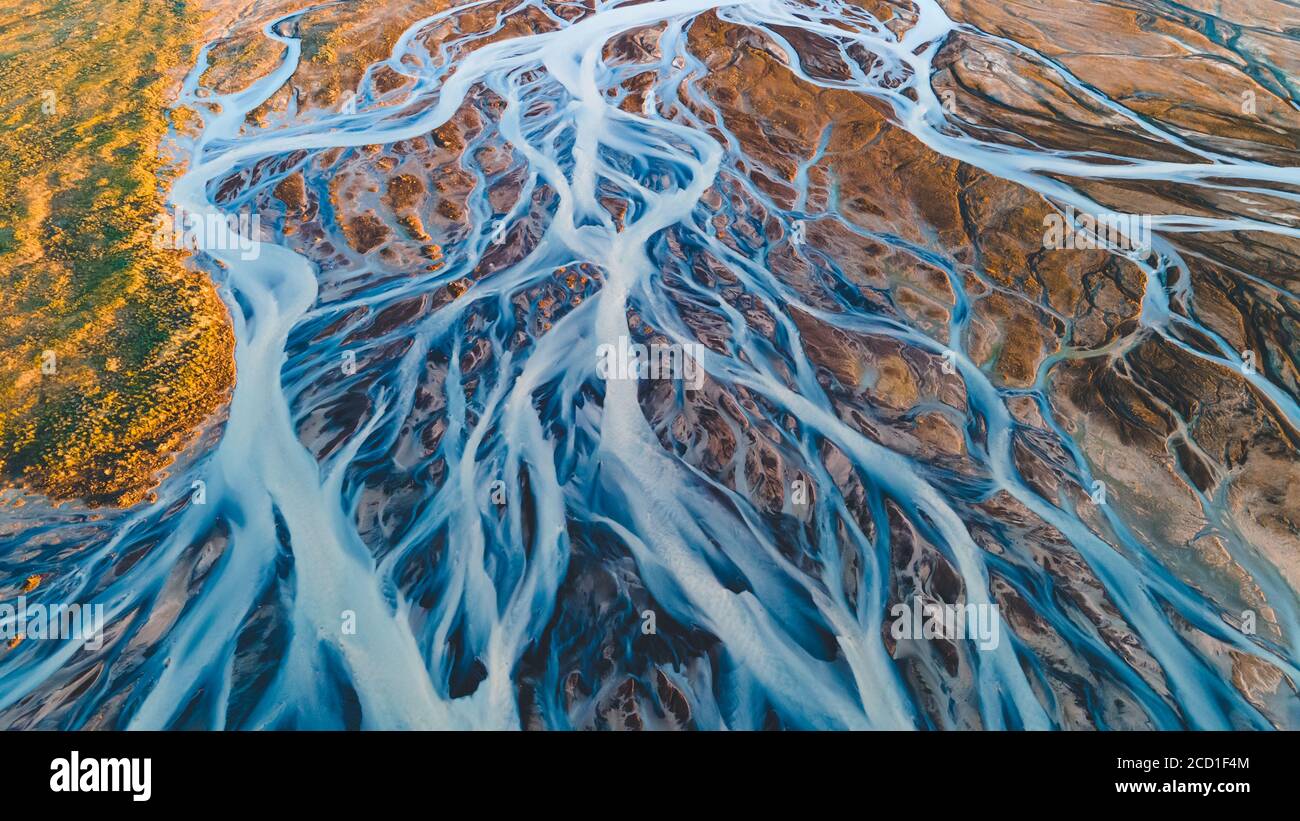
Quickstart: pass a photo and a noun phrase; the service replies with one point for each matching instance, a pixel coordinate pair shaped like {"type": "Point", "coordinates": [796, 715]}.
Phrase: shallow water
{"type": "Point", "coordinates": [508, 583]}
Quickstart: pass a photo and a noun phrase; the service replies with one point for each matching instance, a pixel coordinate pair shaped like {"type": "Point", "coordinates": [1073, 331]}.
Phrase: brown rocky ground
{"type": "Point", "coordinates": [1164, 429]}
{"type": "Point", "coordinates": [1157, 424]}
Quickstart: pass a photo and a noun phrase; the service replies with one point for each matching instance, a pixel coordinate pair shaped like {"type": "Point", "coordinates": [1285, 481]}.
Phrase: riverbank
{"type": "Point", "coordinates": [112, 351]}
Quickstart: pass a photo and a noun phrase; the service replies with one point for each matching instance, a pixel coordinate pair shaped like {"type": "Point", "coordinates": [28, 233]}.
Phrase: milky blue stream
{"type": "Point", "coordinates": [237, 612]}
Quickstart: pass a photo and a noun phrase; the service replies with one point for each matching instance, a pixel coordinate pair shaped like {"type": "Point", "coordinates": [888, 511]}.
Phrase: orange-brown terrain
{"type": "Point", "coordinates": [912, 389]}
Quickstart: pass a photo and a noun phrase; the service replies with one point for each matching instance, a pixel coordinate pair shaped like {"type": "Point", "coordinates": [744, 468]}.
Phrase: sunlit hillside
{"type": "Point", "coordinates": [111, 352]}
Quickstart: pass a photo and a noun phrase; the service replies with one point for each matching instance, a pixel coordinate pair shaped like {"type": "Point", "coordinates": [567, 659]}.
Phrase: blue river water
{"type": "Point", "coordinates": [556, 551]}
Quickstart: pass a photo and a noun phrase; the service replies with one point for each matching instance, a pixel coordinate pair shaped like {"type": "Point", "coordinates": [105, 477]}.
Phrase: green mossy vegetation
{"type": "Point", "coordinates": [142, 345]}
